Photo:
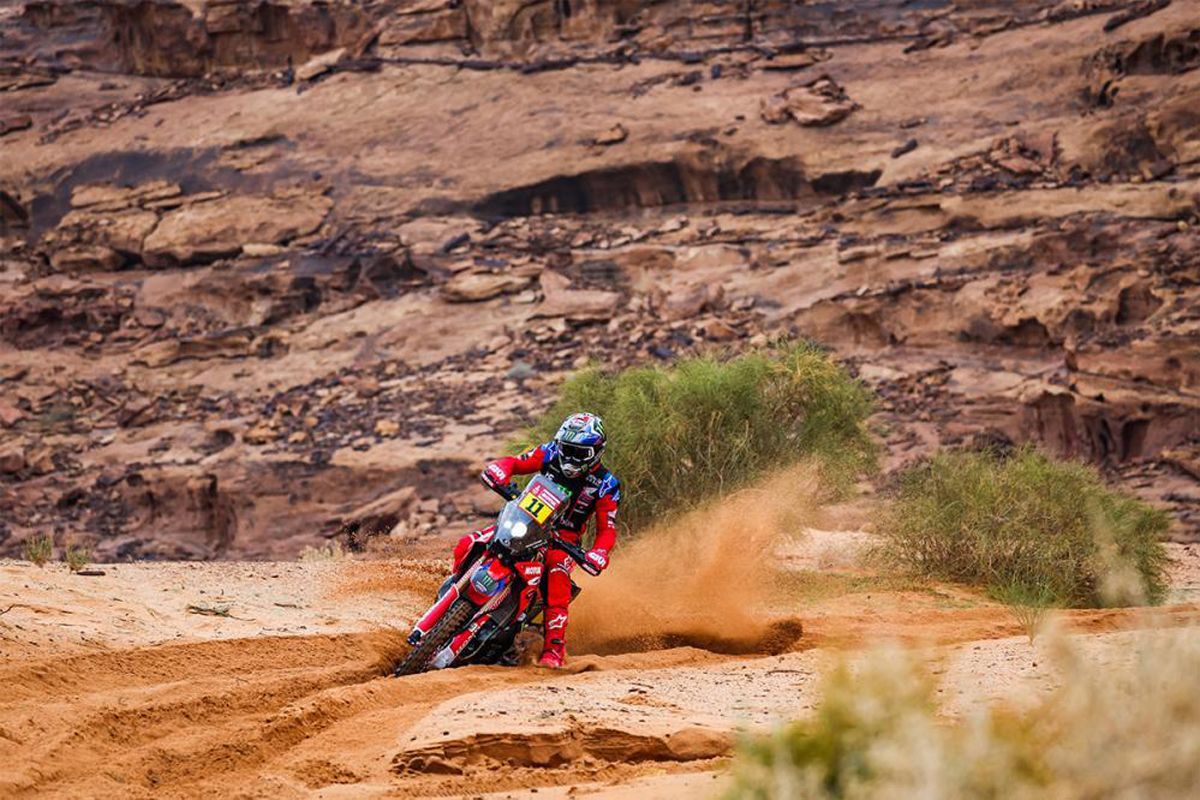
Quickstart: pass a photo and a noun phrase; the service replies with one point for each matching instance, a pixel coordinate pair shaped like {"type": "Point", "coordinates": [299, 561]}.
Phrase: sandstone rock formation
{"type": "Point", "coordinates": [267, 266]}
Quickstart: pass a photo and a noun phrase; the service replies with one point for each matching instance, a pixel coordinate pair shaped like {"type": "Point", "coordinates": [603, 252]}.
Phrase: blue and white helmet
{"type": "Point", "coordinates": [580, 443]}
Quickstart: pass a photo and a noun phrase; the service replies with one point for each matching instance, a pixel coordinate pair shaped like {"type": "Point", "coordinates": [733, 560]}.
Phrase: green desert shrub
{"type": "Point", "coordinates": [1125, 728]}
{"type": "Point", "coordinates": [683, 434]}
{"type": "Point", "coordinates": [1027, 526]}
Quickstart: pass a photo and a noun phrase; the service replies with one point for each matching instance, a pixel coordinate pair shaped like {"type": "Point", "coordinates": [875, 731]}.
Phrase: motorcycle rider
{"type": "Point", "coordinates": [571, 459]}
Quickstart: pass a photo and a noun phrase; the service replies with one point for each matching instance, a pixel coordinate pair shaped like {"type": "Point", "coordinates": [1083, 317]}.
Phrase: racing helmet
{"type": "Point", "coordinates": [580, 443]}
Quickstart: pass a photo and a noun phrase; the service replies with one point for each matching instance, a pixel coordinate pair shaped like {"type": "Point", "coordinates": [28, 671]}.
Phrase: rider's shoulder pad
{"type": "Point", "coordinates": [610, 486]}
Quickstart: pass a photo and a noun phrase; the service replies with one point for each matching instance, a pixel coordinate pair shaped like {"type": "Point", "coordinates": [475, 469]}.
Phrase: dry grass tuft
{"type": "Point", "coordinates": [77, 556]}
{"type": "Point", "coordinates": [39, 549]}
{"type": "Point", "coordinates": [330, 551]}
{"type": "Point", "coordinates": [1028, 605]}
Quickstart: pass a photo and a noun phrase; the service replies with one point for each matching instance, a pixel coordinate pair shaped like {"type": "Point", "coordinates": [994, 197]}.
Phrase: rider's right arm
{"type": "Point", "coordinates": [500, 471]}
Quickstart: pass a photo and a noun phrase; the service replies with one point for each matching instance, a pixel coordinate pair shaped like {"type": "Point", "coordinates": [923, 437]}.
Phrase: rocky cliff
{"type": "Point", "coordinates": [277, 268]}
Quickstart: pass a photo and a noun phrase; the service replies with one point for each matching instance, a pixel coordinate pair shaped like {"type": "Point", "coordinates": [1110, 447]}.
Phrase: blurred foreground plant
{"type": "Point", "coordinates": [1109, 731]}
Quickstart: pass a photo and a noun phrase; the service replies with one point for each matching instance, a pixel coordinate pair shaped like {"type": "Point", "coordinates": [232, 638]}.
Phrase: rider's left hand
{"type": "Point", "coordinates": [598, 558]}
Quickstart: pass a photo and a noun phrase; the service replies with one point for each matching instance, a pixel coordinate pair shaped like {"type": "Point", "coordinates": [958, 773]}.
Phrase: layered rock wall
{"type": "Point", "coordinates": [189, 38]}
{"type": "Point", "coordinates": [245, 306]}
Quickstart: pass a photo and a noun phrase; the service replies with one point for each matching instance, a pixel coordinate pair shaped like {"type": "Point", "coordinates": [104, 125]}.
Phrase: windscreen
{"type": "Point", "coordinates": [526, 522]}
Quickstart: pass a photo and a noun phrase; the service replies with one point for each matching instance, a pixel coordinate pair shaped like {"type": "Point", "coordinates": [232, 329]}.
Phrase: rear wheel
{"type": "Point", "coordinates": [457, 616]}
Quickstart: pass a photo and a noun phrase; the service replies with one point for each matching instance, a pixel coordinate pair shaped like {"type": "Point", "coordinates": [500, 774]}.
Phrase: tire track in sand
{"type": "Point", "coordinates": [184, 719]}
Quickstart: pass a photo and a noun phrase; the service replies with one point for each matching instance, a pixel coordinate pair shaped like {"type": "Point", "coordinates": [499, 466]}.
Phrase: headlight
{"type": "Point", "coordinates": [519, 529]}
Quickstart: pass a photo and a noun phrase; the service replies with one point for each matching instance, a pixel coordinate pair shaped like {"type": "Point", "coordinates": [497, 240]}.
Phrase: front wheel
{"type": "Point", "coordinates": [457, 616]}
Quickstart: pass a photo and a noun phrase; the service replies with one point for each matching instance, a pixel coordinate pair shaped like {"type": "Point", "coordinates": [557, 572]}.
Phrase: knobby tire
{"type": "Point", "coordinates": [457, 616]}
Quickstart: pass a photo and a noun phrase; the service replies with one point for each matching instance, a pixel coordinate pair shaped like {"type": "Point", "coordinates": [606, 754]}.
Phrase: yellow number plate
{"type": "Point", "coordinates": [536, 508]}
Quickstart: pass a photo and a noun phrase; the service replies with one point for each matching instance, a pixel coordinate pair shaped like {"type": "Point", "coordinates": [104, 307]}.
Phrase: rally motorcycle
{"type": "Point", "coordinates": [499, 591]}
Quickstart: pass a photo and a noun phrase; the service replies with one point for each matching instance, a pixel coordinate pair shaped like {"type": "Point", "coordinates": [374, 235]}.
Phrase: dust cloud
{"type": "Point", "coordinates": [705, 579]}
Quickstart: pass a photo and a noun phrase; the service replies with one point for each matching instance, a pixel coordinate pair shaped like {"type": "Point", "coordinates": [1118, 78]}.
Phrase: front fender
{"type": "Point", "coordinates": [435, 613]}
{"type": "Point", "coordinates": [486, 581]}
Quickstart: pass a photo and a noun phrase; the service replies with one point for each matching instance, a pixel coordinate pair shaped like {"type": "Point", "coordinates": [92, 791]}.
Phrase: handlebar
{"type": "Point", "coordinates": [511, 492]}
{"type": "Point", "coordinates": [507, 491]}
{"type": "Point", "coordinates": [577, 555]}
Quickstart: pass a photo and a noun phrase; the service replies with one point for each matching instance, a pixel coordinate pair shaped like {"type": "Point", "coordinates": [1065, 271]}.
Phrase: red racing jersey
{"type": "Point", "coordinates": [596, 492]}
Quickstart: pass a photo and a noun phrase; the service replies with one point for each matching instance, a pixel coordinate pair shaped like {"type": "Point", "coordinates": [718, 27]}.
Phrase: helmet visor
{"type": "Point", "coordinates": [577, 453]}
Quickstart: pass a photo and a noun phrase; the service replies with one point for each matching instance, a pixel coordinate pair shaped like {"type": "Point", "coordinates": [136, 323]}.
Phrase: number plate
{"type": "Point", "coordinates": [540, 501]}
{"type": "Point", "coordinates": [537, 508]}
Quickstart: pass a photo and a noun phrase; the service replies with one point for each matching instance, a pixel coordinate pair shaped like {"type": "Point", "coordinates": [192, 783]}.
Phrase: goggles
{"type": "Point", "coordinates": [577, 453]}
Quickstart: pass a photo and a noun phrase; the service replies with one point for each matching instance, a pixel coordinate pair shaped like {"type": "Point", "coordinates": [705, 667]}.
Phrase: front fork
{"type": "Point", "coordinates": [431, 617]}
{"type": "Point", "coordinates": [486, 583]}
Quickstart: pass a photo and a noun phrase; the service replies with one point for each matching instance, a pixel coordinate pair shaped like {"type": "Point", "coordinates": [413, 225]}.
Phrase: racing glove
{"type": "Point", "coordinates": [598, 558]}
{"type": "Point", "coordinates": [494, 477]}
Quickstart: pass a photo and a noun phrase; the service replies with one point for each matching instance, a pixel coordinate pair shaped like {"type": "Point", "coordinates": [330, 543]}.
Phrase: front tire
{"type": "Point", "coordinates": [457, 616]}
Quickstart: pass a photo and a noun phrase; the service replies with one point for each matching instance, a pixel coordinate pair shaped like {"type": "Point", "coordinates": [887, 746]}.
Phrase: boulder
{"type": "Point", "coordinates": [9, 414]}
{"type": "Point", "coordinates": [12, 460]}
{"type": "Point", "coordinates": [161, 354]}
{"type": "Point", "coordinates": [367, 387]}
{"type": "Point", "coordinates": [687, 302]}
{"type": "Point", "coordinates": [817, 104]}
{"type": "Point", "coordinates": [319, 65]}
{"type": "Point", "coordinates": [774, 109]}
{"type": "Point", "coordinates": [717, 330]}
{"type": "Point", "coordinates": [106, 197]}
{"type": "Point", "coordinates": [576, 305]}
{"type": "Point", "coordinates": [262, 433]}
{"type": "Point", "coordinates": [123, 231]}
{"type": "Point", "coordinates": [149, 318]}
{"type": "Point", "coordinates": [380, 516]}
{"type": "Point", "coordinates": [386, 428]}
{"type": "Point", "coordinates": [126, 232]}
{"type": "Point", "coordinates": [473, 287]}
{"type": "Point", "coordinates": [86, 258]}
{"type": "Point", "coordinates": [614, 135]}
{"type": "Point", "coordinates": [204, 232]}
{"type": "Point", "coordinates": [694, 743]}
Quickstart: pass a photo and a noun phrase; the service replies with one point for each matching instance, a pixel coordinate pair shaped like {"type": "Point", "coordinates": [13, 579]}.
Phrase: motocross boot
{"type": "Point", "coordinates": [554, 655]}
{"type": "Point", "coordinates": [554, 652]}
